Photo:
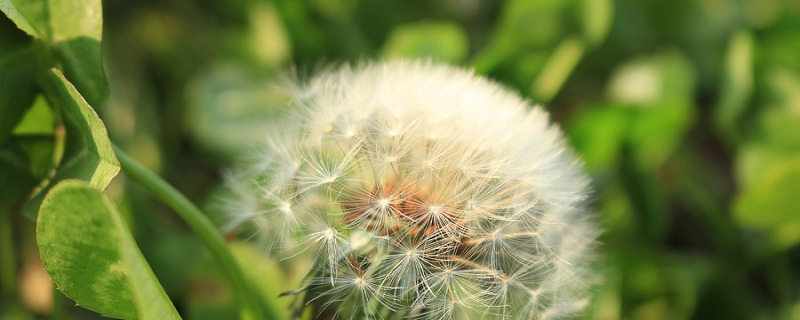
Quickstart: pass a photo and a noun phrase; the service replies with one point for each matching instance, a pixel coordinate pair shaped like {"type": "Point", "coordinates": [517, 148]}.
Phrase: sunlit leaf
{"type": "Point", "coordinates": [88, 154]}
{"type": "Point", "coordinates": [38, 120]}
{"type": "Point", "coordinates": [597, 17]}
{"type": "Point", "coordinates": [557, 69]}
{"type": "Point", "coordinates": [444, 41]}
{"type": "Point", "coordinates": [659, 89]}
{"type": "Point", "coordinates": [770, 204]}
{"type": "Point", "coordinates": [92, 257]}
{"type": "Point", "coordinates": [737, 84]}
{"type": "Point", "coordinates": [269, 39]}
{"type": "Point", "coordinates": [28, 15]}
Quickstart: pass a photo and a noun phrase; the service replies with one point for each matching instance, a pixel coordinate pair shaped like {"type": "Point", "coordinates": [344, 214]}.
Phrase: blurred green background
{"type": "Point", "coordinates": [686, 112]}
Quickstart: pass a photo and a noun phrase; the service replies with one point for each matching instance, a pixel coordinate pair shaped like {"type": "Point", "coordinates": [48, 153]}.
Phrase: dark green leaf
{"type": "Point", "coordinates": [88, 154]}
{"type": "Point", "coordinates": [92, 257]}
{"type": "Point", "coordinates": [17, 88]}
{"type": "Point", "coordinates": [15, 177]}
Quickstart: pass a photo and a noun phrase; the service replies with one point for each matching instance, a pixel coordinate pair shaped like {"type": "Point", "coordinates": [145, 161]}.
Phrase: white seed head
{"type": "Point", "coordinates": [424, 191]}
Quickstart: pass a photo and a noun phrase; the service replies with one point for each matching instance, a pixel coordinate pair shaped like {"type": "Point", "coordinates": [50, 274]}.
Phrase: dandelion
{"type": "Point", "coordinates": [415, 190]}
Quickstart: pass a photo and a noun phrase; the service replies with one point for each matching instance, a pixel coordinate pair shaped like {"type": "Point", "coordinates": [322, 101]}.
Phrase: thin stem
{"type": "Point", "coordinates": [208, 233]}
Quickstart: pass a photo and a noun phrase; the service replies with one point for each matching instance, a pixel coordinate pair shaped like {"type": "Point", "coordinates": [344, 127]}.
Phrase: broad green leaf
{"type": "Point", "coordinates": [28, 15]}
{"type": "Point", "coordinates": [92, 257]}
{"type": "Point", "coordinates": [17, 88]}
{"type": "Point", "coordinates": [88, 154]}
{"type": "Point", "coordinates": [441, 40]}
{"type": "Point", "coordinates": [77, 27]}
{"type": "Point", "coordinates": [770, 204]}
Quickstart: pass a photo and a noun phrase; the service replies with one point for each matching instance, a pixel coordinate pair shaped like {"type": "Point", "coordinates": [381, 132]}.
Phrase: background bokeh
{"type": "Point", "coordinates": [686, 112]}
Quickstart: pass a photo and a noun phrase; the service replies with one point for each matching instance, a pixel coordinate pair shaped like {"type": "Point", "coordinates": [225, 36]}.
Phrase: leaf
{"type": "Point", "coordinates": [659, 90]}
{"type": "Point", "coordinates": [88, 154]}
{"type": "Point", "coordinates": [15, 177]}
{"type": "Point", "coordinates": [441, 40]}
{"type": "Point", "coordinates": [92, 257]}
{"type": "Point", "coordinates": [558, 68]}
{"type": "Point", "coordinates": [17, 88]}
{"type": "Point", "coordinates": [596, 18]}
{"type": "Point", "coordinates": [737, 84]}
{"type": "Point", "coordinates": [598, 135]}
{"type": "Point", "coordinates": [770, 204]}
{"type": "Point", "coordinates": [28, 15]}
{"type": "Point", "coordinates": [77, 27]}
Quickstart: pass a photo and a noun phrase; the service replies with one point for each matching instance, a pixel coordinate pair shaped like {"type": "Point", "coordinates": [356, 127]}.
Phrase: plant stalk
{"type": "Point", "coordinates": [252, 306]}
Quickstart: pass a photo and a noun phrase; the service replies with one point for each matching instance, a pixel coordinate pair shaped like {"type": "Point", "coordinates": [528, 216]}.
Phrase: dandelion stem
{"type": "Point", "coordinates": [252, 308]}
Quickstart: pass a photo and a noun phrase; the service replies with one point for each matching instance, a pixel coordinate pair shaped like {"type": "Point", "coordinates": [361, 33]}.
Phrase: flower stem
{"type": "Point", "coordinates": [248, 297]}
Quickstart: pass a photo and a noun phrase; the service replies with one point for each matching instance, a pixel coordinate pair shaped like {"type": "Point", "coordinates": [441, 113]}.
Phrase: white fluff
{"type": "Point", "coordinates": [425, 190]}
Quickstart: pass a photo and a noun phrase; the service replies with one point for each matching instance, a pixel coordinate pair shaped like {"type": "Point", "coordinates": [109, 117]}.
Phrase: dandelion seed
{"type": "Point", "coordinates": [421, 191]}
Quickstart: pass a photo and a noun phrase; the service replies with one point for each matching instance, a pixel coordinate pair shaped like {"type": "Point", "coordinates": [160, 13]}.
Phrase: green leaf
{"type": "Point", "coordinates": [262, 273]}
{"type": "Point", "coordinates": [17, 88]}
{"type": "Point", "coordinates": [737, 84]}
{"type": "Point", "coordinates": [532, 23]}
{"type": "Point", "coordinates": [15, 177]}
{"type": "Point", "coordinates": [599, 133]}
{"type": "Point", "coordinates": [596, 18]}
{"type": "Point", "coordinates": [88, 154]}
{"type": "Point", "coordinates": [659, 90]}
{"type": "Point", "coordinates": [28, 15]}
{"type": "Point", "coordinates": [77, 27]}
{"type": "Point", "coordinates": [441, 40]}
{"type": "Point", "coordinates": [557, 69]}
{"type": "Point", "coordinates": [92, 257]}
{"type": "Point", "coordinates": [38, 120]}
{"type": "Point", "coordinates": [770, 204]}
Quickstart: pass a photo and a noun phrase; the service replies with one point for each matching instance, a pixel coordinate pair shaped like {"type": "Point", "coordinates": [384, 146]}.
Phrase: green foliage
{"type": "Point", "coordinates": [685, 112]}
{"type": "Point", "coordinates": [92, 256]}
{"type": "Point", "coordinates": [443, 40]}
{"type": "Point", "coordinates": [87, 152]}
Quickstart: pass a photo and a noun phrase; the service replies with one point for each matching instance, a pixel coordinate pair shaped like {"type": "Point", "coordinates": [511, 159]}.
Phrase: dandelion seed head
{"type": "Point", "coordinates": [424, 190]}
